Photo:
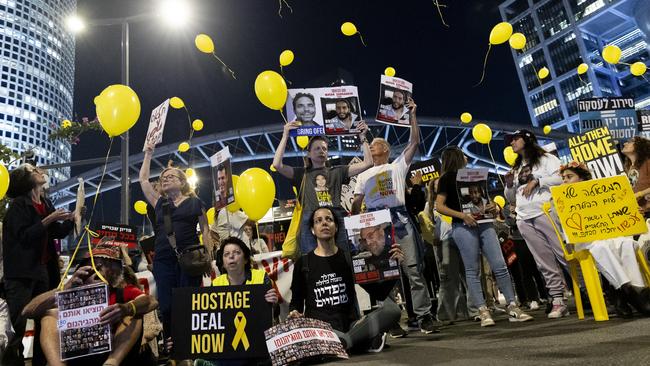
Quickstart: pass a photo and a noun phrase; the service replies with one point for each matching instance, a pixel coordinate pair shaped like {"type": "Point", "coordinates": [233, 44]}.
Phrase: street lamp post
{"type": "Point", "coordinates": [126, 184]}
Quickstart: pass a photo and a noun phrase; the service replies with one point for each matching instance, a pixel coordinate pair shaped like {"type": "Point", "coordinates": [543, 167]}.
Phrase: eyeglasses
{"type": "Point", "coordinates": [169, 177]}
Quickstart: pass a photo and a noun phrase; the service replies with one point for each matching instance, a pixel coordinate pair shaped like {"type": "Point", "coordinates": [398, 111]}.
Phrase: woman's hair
{"type": "Point", "coordinates": [238, 242]}
{"type": "Point", "coordinates": [308, 163]}
{"type": "Point", "coordinates": [532, 151]}
{"type": "Point", "coordinates": [579, 168]}
{"type": "Point", "coordinates": [642, 151]}
{"type": "Point", "coordinates": [186, 190]}
{"type": "Point", "coordinates": [453, 159]}
{"type": "Point", "coordinates": [334, 216]}
{"type": "Point", "coordinates": [21, 181]}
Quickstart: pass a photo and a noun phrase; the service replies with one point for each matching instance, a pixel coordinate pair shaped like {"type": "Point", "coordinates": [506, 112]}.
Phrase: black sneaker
{"type": "Point", "coordinates": [378, 343]}
{"type": "Point", "coordinates": [412, 324]}
{"type": "Point", "coordinates": [427, 326]}
{"type": "Point", "coordinates": [397, 331]}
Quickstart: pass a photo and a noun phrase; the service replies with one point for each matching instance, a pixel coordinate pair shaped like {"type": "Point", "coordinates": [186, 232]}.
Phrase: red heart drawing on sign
{"type": "Point", "coordinates": [575, 221]}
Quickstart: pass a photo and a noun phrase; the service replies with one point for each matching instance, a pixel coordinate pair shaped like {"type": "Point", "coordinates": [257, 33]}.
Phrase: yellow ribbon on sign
{"type": "Point", "coordinates": [240, 335]}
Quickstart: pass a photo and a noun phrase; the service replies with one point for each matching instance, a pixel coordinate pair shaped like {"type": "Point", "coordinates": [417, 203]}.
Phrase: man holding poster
{"type": "Point", "coordinates": [393, 94]}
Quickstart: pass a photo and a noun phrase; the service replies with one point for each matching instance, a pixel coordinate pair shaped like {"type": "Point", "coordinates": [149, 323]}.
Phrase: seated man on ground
{"type": "Point", "coordinates": [127, 305]}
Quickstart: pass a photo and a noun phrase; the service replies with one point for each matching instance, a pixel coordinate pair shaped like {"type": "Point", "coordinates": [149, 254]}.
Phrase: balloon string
{"type": "Point", "coordinates": [583, 82]}
{"type": "Point", "coordinates": [283, 117]}
{"type": "Point", "coordinates": [282, 73]}
{"type": "Point", "coordinates": [496, 168]}
{"type": "Point", "coordinates": [280, 9]}
{"type": "Point", "coordinates": [224, 65]}
{"type": "Point", "coordinates": [438, 6]}
{"type": "Point", "coordinates": [362, 41]}
{"type": "Point", "coordinates": [484, 65]}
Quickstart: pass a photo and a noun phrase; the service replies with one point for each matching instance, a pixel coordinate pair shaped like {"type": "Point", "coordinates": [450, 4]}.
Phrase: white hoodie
{"type": "Point", "coordinates": [547, 171]}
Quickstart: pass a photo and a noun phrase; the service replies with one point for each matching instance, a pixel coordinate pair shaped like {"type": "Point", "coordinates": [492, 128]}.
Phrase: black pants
{"type": "Point", "coordinates": [529, 283]}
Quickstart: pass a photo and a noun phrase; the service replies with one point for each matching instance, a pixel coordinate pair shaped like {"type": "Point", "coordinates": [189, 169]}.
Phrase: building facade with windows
{"type": "Point", "coordinates": [36, 78]}
{"type": "Point", "coordinates": [561, 34]}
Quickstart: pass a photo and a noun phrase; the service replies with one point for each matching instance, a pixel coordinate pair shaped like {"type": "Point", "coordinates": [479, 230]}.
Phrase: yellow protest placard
{"type": "Point", "coordinates": [598, 209]}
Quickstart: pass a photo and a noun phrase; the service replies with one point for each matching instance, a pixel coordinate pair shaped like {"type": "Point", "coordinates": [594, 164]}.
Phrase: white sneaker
{"type": "Point", "coordinates": [559, 309]}
{"type": "Point", "coordinates": [517, 315]}
{"type": "Point", "coordinates": [533, 305]}
{"type": "Point", "coordinates": [486, 318]}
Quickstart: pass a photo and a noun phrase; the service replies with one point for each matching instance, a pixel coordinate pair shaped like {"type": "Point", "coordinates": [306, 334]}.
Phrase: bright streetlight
{"type": "Point", "coordinates": [75, 24]}
{"type": "Point", "coordinates": [175, 13]}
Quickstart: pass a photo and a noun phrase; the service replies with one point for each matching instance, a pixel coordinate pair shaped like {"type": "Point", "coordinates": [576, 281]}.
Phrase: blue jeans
{"type": "Point", "coordinates": [472, 242]}
{"type": "Point", "coordinates": [308, 240]}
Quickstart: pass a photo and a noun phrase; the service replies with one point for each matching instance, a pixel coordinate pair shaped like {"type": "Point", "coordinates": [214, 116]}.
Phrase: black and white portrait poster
{"type": "Point", "coordinates": [472, 191]}
{"type": "Point", "coordinates": [393, 94]}
{"type": "Point", "coordinates": [347, 190]}
{"type": "Point", "coordinates": [157, 124]}
{"type": "Point", "coordinates": [222, 178]}
{"type": "Point", "coordinates": [303, 105]}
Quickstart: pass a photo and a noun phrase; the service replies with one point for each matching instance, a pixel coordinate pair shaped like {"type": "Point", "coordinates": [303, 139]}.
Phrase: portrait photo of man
{"type": "Point", "coordinates": [344, 120]}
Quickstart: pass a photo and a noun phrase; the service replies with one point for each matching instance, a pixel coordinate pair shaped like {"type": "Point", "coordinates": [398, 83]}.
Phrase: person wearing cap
{"type": "Point", "coordinates": [126, 306]}
{"type": "Point", "coordinates": [528, 186]}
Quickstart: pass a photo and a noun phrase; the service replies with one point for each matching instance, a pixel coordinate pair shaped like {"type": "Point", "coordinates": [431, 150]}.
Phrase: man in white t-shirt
{"type": "Point", "coordinates": [383, 186]}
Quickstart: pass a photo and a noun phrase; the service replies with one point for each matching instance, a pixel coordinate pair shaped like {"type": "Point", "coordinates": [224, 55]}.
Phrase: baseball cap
{"type": "Point", "coordinates": [526, 134]}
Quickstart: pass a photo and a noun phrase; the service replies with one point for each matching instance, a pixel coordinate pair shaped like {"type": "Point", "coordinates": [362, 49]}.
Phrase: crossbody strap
{"type": "Point", "coordinates": [167, 220]}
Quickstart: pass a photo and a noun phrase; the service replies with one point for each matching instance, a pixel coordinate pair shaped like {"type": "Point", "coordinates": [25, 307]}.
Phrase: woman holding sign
{"type": "Point", "coordinates": [528, 186]}
{"type": "Point", "coordinates": [637, 168]}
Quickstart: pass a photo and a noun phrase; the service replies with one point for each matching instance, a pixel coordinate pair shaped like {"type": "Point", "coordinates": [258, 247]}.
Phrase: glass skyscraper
{"type": "Point", "coordinates": [36, 79]}
{"type": "Point", "coordinates": [561, 34]}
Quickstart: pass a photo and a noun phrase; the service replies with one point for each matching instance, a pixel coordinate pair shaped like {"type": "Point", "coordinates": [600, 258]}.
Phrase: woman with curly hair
{"type": "Point", "coordinates": [637, 168]}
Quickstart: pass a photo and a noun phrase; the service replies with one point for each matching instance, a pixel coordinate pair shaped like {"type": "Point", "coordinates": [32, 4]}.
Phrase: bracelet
{"type": "Point", "coordinates": [132, 307]}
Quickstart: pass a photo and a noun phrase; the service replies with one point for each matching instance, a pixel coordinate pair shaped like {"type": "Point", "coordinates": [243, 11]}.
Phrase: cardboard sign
{"type": "Point", "coordinates": [472, 192]}
{"type": "Point", "coordinates": [224, 322]}
{"type": "Point", "coordinates": [301, 338]}
{"type": "Point", "coordinates": [430, 170]}
{"type": "Point", "coordinates": [598, 209]}
{"type": "Point", "coordinates": [616, 113]}
{"type": "Point", "coordinates": [643, 116]}
{"type": "Point", "coordinates": [224, 192]}
{"type": "Point", "coordinates": [80, 333]}
{"type": "Point", "coordinates": [393, 95]}
{"type": "Point", "coordinates": [329, 111]}
{"type": "Point", "coordinates": [596, 148]}
{"type": "Point", "coordinates": [123, 235]}
{"type": "Point", "coordinates": [347, 190]}
{"type": "Point", "coordinates": [157, 124]}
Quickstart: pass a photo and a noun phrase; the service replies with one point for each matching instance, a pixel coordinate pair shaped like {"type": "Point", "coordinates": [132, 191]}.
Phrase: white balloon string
{"type": "Point", "coordinates": [496, 167]}
{"type": "Point", "coordinates": [484, 65]}
{"type": "Point", "coordinates": [438, 6]}
{"type": "Point", "coordinates": [224, 65]}
{"type": "Point", "coordinates": [280, 9]}
{"type": "Point", "coordinates": [362, 41]}
{"type": "Point", "coordinates": [283, 117]}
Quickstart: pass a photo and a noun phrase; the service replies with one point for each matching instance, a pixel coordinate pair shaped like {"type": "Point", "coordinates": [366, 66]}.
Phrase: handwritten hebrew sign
{"type": "Point", "coordinates": [598, 209]}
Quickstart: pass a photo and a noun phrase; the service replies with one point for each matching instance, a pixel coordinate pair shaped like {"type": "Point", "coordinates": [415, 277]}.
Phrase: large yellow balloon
{"type": "Point", "coordinates": [4, 181]}
{"type": "Point", "coordinates": [234, 207]}
{"type": "Point", "coordinates": [140, 207]}
{"type": "Point", "coordinates": [509, 155]}
{"type": "Point", "coordinates": [117, 108]}
{"type": "Point", "coordinates": [466, 117]}
{"type": "Point", "coordinates": [255, 192]}
{"type": "Point", "coordinates": [612, 54]}
{"type": "Point", "coordinates": [390, 71]}
{"type": "Point", "coordinates": [204, 43]}
{"type": "Point", "coordinates": [582, 68]}
{"type": "Point", "coordinates": [197, 125]}
{"type": "Point", "coordinates": [349, 29]}
{"type": "Point", "coordinates": [183, 147]}
{"type": "Point", "coordinates": [482, 133]}
{"type": "Point", "coordinates": [543, 73]}
{"type": "Point", "coordinates": [286, 57]}
{"type": "Point", "coordinates": [271, 89]}
{"type": "Point", "coordinates": [66, 124]}
{"type": "Point", "coordinates": [176, 102]}
{"type": "Point", "coordinates": [638, 68]}
{"type": "Point", "coordinates": [500, 33]}
{"type": "Point", "coordinates": [517, 41]}
{"type": "Point", "coordinates": [499, 200]}
{"type": "Point", "coordinates": [547, 129]}
{"type": "Point", "coordinates": [302, 141]}
{"type": "Point", "coordinates": [210, 215]}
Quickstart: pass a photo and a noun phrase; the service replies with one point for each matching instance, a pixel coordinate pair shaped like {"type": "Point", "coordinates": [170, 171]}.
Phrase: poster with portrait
{"type": "Point", "coordinates": [156, 125]}
{"type": "Point", "coordinates": [80, 332]}
{"type": "Point", "coordinates": [472, 191]}
{"type": "Point", "coordinates": [393, 94]}
{"type": "Point", "coordinates": [303, 105]}
{"type": "Point", "coordinates": [347, 190]}
{"type": "Point", "coordinates": [324, 111]}
{"type": "Point", "coordinates": [299, 339]}
{"type": "Point", "coordinates": [372, 232]}
{"type": "Point", "coordinates": [224, 192]}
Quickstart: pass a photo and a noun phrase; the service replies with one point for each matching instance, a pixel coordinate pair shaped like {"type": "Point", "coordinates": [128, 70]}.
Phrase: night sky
{"type": "Point", "coordinates": [442, 63]}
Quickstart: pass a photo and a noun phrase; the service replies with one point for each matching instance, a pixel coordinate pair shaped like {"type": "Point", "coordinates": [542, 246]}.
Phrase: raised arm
{"type": "Point", "coordinates": [147, 188]}
{"type": "Point", "coordinates": [414, 137]}
{"type": "Point", "coordinates": [285, 170]}
{"type": "Point", "coordinates": [367, 157]}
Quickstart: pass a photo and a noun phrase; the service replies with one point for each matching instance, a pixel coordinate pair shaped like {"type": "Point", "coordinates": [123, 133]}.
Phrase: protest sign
{"type": "Point", "coordinates": [301, 338]}
{"type": "Point", "coordinates": [472, 191]}
{"type": "Point", "coordinates": [596, 148]}
{"type": "Point", "coordinates": [347, 190]}
{"type": "Point", "coordinates": [80, 332]}
{"type": "Point", "coordinates": [373, 231]}
{"type": "Point", "coordinates": [330, 111]}
{"type": "Point", "coordinates": [279, 270]}
{"type": "Point", "coordinates": [598, 209]}
{"type": "Point", "coordinates": [615, 113]}
{"type": "Point", "coordinates": [156, 125]}
{"type": "Point", "coordinates": [393, 95]}
{"type": "Point", "coordinates": [430, 170]}
{"type": "Point", "coordinates": [643, 116]}
{"type": "Point", "coordinates": [122, 235]}
{"type": "Point", "coordinates": [225, 322]}
{"type": "Point", "coordinates": [224, 192]}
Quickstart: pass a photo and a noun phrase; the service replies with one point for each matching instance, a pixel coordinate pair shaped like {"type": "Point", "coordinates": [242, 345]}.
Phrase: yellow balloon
{"type": "Point", "coordinates": [517, 41]}
{"type": "Point", "coordinates": [500, 33]}
{"type": "Point", "coordinates": [302, 141]}
{"type": "Point", "coordinates": [499, 200]}
{"type": "Point", "coordinates": [176, 102]}
{"type": "Point", "coordinates": [204, 43]}
{"type": "Point", "coordinates": [197, 125]}
{"type": "Point", "coordinates": [117, 108]}
{"type": "Point", "coordinates": [255, 192]}
{"type": "Point", "coordinates": [612, 54]}
{"type": "Point", "coordinates": [543, 73]}
{"type": "Point", "coordinates": [189, 172]}
{"type": "Point", "coordinates": [466, 117]}
{"type": "Point", "coordinates": [547, 130]}
{"type": "Point", "coordinates": [349, 29]}
{"type": "Point", "coordinates": [390, 71]}
{"type": "Point", "coordinates": [140, 207]}
{"type": "Point", "coordinates": [210, 215]}
{"type": "Point", "coordinates": [66, 124]}
{"type": "Point", "coordinates": [4, 181]}
{"type": "Point", "coordinates": [638, 68]}
{"type": "Point", "coordinates": [482, 133]}
{"type": "Point", "coordinates": [272, 168]}
{"type": "Point", "coordinates": [509, 155]}
{"type": "Point", "coordinates": [286, 57]}
{"type": "Point", "coordinates": [271, 89]}
{"type": "Point", "coordinates": [234, 207]}
{"type": "Point", "coordinates": [582, 68]}
{"type": "Point", "coordinates": [183, 147]}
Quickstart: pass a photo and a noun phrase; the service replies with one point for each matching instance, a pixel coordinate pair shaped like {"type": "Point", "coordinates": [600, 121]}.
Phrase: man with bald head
{"type": "Point", "coordinates": [383, 186]}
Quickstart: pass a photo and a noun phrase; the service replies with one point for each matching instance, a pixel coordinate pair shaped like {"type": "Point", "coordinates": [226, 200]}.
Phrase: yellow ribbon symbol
{"type": "Point", "coordinates": [240, 336]}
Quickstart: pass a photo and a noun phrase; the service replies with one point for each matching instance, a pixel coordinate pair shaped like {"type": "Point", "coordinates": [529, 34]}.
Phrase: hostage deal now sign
{"type": "Point", "coordinates": [598, 209]}
{"type": "Point", "coordinates": [224, 322]}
